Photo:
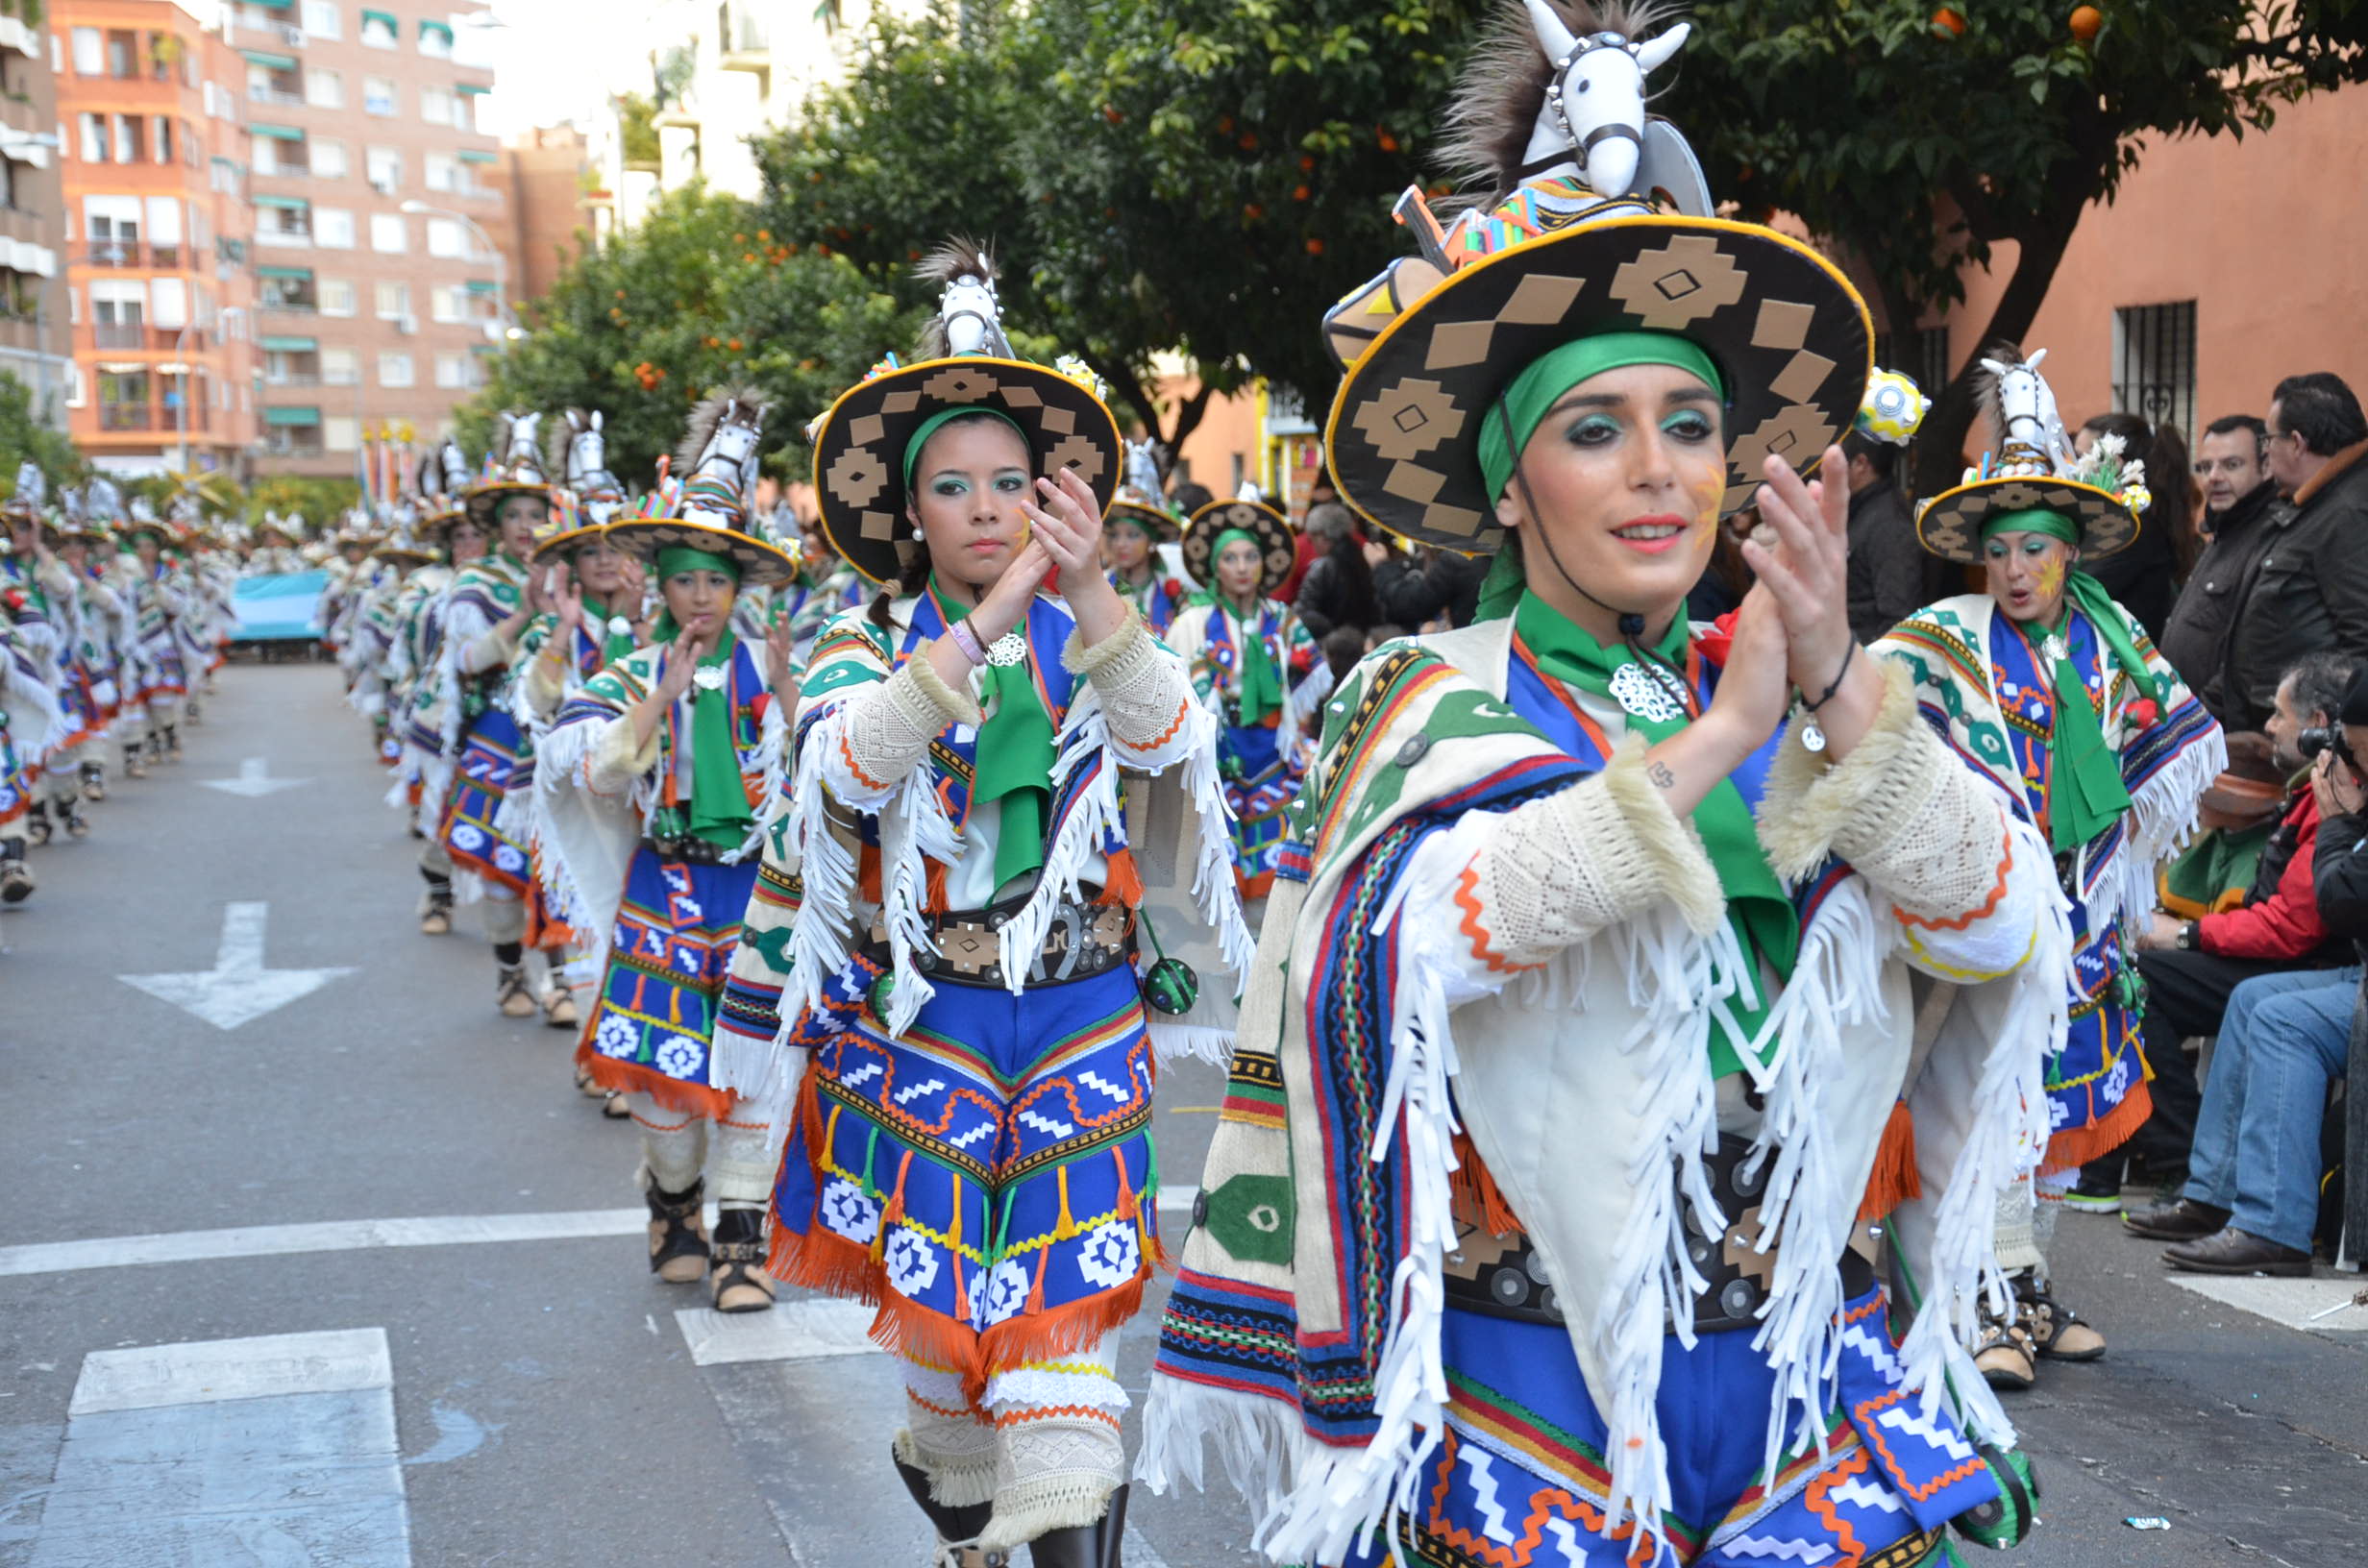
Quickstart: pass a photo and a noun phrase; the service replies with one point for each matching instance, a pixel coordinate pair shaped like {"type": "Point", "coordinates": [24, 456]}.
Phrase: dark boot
{"type": "Point", "coordinates": [37, 822]}
{"type": "Point", "coordinates": [678, 1231]}
{"type": "Point", "coordinates": [135, 765]}
{"type": "Point", "coordinates": [95, 781]}
{"type": "Point", "coordinates": [17, 882]}
{"type": "Point", "coordinates": [1083, 1546]}
{"type": "Point", "coordinates": [70, 817]}
{"type": "Point", "coordinates": [172, 742]}
{"type": "Point", "coordinates": [736, 1277]}
{"type": "Point", "coordinates": [956, 1528]}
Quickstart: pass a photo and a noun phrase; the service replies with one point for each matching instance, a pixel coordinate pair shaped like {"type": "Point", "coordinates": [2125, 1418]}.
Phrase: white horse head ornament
{"type": "Point", "coordinates": [969, 319]}
{"type": "Point", "coordinates": [2030, 434]}
{"type": "Point", "coordinates": [718, 455]}
{"type": "Point", "coordinates": [1592, 120]}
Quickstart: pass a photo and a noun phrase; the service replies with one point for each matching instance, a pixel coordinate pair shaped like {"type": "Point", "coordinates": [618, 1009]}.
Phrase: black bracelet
{"type": "Point", "coordinates": [1838, 676]}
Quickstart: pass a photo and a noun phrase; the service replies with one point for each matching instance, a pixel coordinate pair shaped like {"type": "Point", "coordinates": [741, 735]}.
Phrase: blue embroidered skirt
{"type": "Point", "coordinates": [669, 954]}
{"type": "Point", "coordinates": [489, 767]}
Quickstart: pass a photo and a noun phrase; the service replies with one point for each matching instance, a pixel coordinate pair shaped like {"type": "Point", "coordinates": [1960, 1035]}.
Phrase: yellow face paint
{"type": "Point", "coordinates": [2051, 578]}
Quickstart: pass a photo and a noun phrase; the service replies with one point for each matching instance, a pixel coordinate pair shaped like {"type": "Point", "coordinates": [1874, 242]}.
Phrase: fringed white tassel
{"type": "Point", "coordinates": [2162, 815]}
{"type": "Point", "coordinates": [1805, 1212]}
{"type": "Point", "coordinates": [1306, 699]}
{"type": "Point", "coordinates": [821, 940]}
{"type": "Point", "coordinates": [2008, 1136]}
{"type": "Point", "coordinates": [1172, 1040]}
{"type": "Point", "coordinates": [772, 742]}
{"type": "Point", "coordinates": [1265, 1453]}
{"type": "Point", "coordinates": [1215, 889]}
{"type": "Point", "coordinates": [559, 759]}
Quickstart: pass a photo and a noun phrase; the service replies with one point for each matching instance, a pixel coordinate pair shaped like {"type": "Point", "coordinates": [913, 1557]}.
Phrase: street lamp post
{"type": "Point", "coordinates": [508, 321]}
{"type": "Point", "coordinates": [180, 409]}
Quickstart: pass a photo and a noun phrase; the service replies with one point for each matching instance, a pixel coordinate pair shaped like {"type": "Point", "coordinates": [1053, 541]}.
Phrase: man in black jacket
{"type": "Point", "coordinates": [1887, 576]}
{"type": "Point", "coordinates": [2309, 589]}
{"type": "Point", "coordinates": [2241, 509]}
{"type": "Point", "coordinates": [2252, 1198]}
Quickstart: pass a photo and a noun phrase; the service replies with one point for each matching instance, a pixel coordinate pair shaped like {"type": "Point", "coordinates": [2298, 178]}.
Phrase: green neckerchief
{"type": "Point", "coordinates": [2085, 792]}
{"type": "Point", "coordinates": [1013, 762]}
{"type": "Point", "coordinates": [718, 809]}
{"type": "Point", "coordinates": [1763, 918]}
{"type": "Point", "coordinates": [1260, 688]}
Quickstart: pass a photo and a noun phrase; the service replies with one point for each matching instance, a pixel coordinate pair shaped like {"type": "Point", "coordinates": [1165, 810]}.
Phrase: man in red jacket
{"type": "Point", "coordinates": [2189, 967]}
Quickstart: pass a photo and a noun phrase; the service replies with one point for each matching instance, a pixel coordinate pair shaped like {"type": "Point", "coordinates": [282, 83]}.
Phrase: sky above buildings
{"type": "Point", "coordinates": [558, 60]}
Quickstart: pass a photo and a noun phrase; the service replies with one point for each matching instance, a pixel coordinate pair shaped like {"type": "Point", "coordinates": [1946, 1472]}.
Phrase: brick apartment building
{"type": "Point", "coordinates": [34, 333]}
{"type": "Point", "coordinates": [158, 293]}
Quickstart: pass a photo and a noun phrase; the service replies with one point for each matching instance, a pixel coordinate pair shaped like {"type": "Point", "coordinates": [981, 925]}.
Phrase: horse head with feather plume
{"type": "Point", "coordinates": [717, 458]}
{"type": "Point", "coordinates": [2032, 439]}
{"type": "Point", "coordinates": [969, 319]}
{"type": "Point", "coordinates": [32, 488]}
{"type": "Point", "coordinates": [579, 452]}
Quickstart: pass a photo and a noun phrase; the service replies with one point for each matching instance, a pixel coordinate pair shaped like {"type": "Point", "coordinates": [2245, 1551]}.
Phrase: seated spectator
{"type": "Point", "coordinates": [2242, 510]}
{"type": "Point", "coordinates": [2191, 966]}
{"type": "Point", "coordinates": [2141, 577]}
{"type": "Point", "coordinates": [2252, 1198]}
{"type": "Point", "coordinates": [1338, 590]}
{"type": "Point", "coordinates": [2309, 589]}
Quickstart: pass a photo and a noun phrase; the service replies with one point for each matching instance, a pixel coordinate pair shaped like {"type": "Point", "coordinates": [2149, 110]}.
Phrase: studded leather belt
{"type": "Point", "coordinates": [690, 849]}
{"type": "Point", "coordinates": [1082, 941]}
{"type": "Point", "coordinates": [1502, 1276]}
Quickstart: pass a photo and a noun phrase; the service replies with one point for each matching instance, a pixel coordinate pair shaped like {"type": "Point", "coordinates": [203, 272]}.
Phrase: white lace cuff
{"type": "Point", "coordinates": [1144, 693]}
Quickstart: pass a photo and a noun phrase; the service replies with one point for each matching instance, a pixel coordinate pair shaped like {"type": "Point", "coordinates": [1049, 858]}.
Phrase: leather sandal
{"type": "Point", "coordinates": [135, 766]}
{"type": "Point", "coordinates": [678, 1231]}
{"type": "Point", "coordinates": [509, 992]}
{"type": "Point", "coordinates": [2002, 1354]}
{"type": "Point", "coordinates": [95, 781]}
{"type": "Point", "coordinates": [435, 910]}
{"type": "Point", "coordinates": [614, 1108]}
{"type": "Point", "coordinates": [560, 1008]}
{"type": "Point", "coordinates": [736, 1277]}
{"type": "Point", "coordinates": [37, 826]}
{"type": "Point", "coordinates": [77, 825]}
{"type": "Point", "coordinates": [2054, 1331]}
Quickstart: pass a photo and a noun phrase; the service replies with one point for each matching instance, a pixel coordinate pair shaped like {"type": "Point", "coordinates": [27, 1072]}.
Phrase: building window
{"type": "Point", "coordinates": [89, 53]}
{"type": "Point", "coordinates": [333, 228]}
{"type": "Point", "coordinates": [436, 106]}
{"type": "Point", "coordinates": [447, 238]}
{"type": "Point", "coordinates": [451, 369]}
{"type": "Point", "coordinates": [341, 432]}
{"type": "Point", "coordinates": [94, 136]}
{"type": "Point", "coordinates": [165, 138]}
{"type": "Point", "coordinates": [328, 157]}
{"type": "Point", "coordinates": [122, 54]}
{"type": "Point", "coordinates": [321, 19]}
{"type": "Point", "coordinates": [123, 400]}
{"type": "Point", "coordinates": [336, 295]}
{"type": "Point", "coordinates": [435, 39]}
{"type": "Point", "coordinates": [378, 95]}
{"type": "Point", "coordinates": [443, 173]}
{"type": "Point", "coordinates": [394, 301]}
{"type": "Point", "coordinates": [446, 304]}
{"type": "Point", "coordinates": [340, 367]}
{"type": "Point", "coordinates": [323, 89]}
{"type": "Point", "coordinates": [385, 167]}
{"type": "Point", "coordinates": [394, 370]}
{"type": "Point", "coordinates": [127, 138]}
{"type": "Point", "coordinates": [389, 234]}
{"type": "Point", "coordinates": [2154, 363]}
{"type": "Point", "coordinates": [378, 30]}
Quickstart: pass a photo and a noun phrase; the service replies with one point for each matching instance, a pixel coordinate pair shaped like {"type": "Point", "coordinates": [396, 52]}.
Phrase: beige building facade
{"type": "Point", "coordinates": [34, 329]}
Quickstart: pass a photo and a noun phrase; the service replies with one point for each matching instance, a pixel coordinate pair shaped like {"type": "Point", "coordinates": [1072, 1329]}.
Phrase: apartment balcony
{"type": "Point", "coordinates": [746, 44]}
{"type": "Point", "coordinates": [131, 337]}
{"type": "Point", "coordinates": [277, 97]}
{"type": "Point", "coordinates": [288, 308]}
{"type": "Point", "coordinates": [279, 33]}
{"type": "Point", "coordinates": [126, 416]}
{"type": "Point", "coordinates": [302, 237]}
{"type": "Point", "coordinates": [293, 441]}
{"type": "Point", "coordinates": [131, 254]}
{"type": "Point", "coordinates": [282, 171]}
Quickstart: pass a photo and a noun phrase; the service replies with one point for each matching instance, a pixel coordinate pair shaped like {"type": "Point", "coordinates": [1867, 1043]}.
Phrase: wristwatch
{"type": "Point", "coordinates": [2188, 936]}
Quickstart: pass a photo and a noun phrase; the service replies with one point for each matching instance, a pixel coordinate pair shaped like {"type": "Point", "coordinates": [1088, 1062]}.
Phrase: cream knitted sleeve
{"type": "Point", "coordinates": [1144, 690]}
{"type": "Point", "coordinates": [870, 741]}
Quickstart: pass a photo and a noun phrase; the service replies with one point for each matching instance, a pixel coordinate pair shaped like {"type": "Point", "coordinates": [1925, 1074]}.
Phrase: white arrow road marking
{"type": "Point", "coordinates": [272, 1450]}
{"type": "Point", "coordinates": [254, 779]}
{"type": "Point", "coordinates": [238, 990]}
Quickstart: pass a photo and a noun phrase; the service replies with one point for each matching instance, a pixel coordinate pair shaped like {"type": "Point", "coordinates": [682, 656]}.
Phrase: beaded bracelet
{"type": "Point", "coordinates": [967, 640]}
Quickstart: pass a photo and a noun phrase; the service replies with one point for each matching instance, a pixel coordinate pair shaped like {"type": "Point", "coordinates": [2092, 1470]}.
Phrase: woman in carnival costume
{"type": "Point", "coordinates": [2051, 691]}
{"type": "Point", "coordinates": [996, 784]}
{"type": "Point", "coordinates": [38, 597]}
{"type": "Point", "coordinates": [653, 785]}
{"type": "Point", "coordinates": [1132, 535]}
{"type": "Point", "coordinates": [33, 723]}
{"type": "Point", "coordinates": [486, 611]}
{"type": "Point", "coordinates": [99, 628]}
{"type": "Point", "coordinates": [1255, 667]}
{"type": "Point", "coordinates": [1531, 1232]}
{"type": "Point", "coordinates": [423, 688]}
{"type": "Point", "coordinates": [373, 684]}
{"type": "Point", "coordinates": [591, 591]}
{"type": "Point", "coordinates": [163, 596]}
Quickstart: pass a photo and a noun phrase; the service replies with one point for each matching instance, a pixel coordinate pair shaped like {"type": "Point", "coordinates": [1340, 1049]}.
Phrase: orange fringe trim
{"type": "Point", "coordinates": [1477, 1190]}
{"type": "Point", "coordinates": [1894, 1179]}
{"type": "Point", "coordinates": [670, 1094]}
{"type": "Point", "coordinates": [2076, 1146]}
{"type": "Point", "coordinates": [1123, 882]}
{"type": "Point", "coordinates": [867, 874]}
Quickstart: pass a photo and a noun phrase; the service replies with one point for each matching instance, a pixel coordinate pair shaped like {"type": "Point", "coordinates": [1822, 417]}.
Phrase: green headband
{"type": "Point", "coordinates": [2033, 520]}
{"type": "Point", "coordinates": [930, 426]}
{"type": "Point", "coordinates": [1536, 390]}
{"type": "Point", "coordinates": [673, 559]}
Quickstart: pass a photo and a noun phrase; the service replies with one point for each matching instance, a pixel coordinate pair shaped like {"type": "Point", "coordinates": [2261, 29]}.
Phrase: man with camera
{"type": "Point", "coordinates": [2252, 1197]}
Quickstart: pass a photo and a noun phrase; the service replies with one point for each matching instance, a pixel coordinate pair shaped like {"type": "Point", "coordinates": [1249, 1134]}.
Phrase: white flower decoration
{"type": "Point", "coordinates": [847, 1213]}
{"type": "Point", "coordinates": [507, 857]}
{"type": "Point", "coordinates": [617, 1036]}
{"type": "Point", "coordinates": [1111, 1255]}
{"type": "Point", "coordinates": [912, 1261]}
{"type": "Point", "coordinates": [679, 1056]}
{"type": "Point", "coordinates": [1006, 1292]}
{"type": "Point", "coordinates": [468, 836]}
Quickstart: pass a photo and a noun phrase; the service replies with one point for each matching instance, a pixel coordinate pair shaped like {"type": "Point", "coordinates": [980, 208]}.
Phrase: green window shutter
{"type": "Point", "coordinates": [291, 416]}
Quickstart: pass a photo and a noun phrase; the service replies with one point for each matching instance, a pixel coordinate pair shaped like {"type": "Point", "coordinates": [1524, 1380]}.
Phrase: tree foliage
{"type": "Point", "coordinates": [1920, 140]}
{"type": "Point", "coordinates": [23, 436]}
{"type": "Point", "coordinates": [700, 295]}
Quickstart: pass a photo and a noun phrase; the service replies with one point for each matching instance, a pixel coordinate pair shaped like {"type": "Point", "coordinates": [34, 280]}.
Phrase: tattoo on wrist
{"type": "Point", "coordinates": [1660, 775]}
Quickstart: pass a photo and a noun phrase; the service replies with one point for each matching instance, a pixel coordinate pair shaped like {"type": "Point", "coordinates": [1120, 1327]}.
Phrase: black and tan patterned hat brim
{"type": "Point", "coordinates": [482, 500]}
{"type": "Point", "coordinates": [859, 448]}
{"type": "Point", "coordinates": [1158, 524]}
{"type": "Point", "coordinates": [1949, 526]}
{"type": "Point", "coordinates": [1277, 545]}
{"type": "Point", "coordinates": [408, 554]}
{"type": "Point", "coordinates": [643, 537]}
{"type": "Point", "coordinates": [1791, 335]}
{"type": "Point", "coordinates": [561, 544]}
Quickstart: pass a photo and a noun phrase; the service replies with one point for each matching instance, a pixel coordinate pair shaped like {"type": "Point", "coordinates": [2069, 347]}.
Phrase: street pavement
{"type": "Point", "coordinates": [309, 1256]}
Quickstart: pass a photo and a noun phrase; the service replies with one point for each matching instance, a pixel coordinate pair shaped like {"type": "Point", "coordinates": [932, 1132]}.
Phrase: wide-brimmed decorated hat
{"type": "Point", "coordinates": [31, 495]}
{"type": "Point", "coordinates": [563, 543]}
{"type": "Point", "coordinates": [1277, 545]}
{"type": "Point", "coordinates": [1432, 344]}
{"type": "Point", "coordinates": [2034, 469]}
{"type": "Point", "coordinates": [514, 468]}
{"type": "Point", "coordinates": [963, 362]}
{"type": "Point", "coordinates": [273, 530]}
{"type": "Point", "coordinates": [708, 508]}
{"type": "Point", "coordinates": [1133, 505]}
{"type": "Point", "coordinates": [437, 487]}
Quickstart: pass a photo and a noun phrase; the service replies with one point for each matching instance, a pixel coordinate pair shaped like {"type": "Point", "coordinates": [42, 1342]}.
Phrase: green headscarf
{"type": "Point", "coordinates": [718, 807]}
{"type": "Point", "coordinates": [1261, 684]}
{"type": "Point", "coordinates": [2087, 793]}
{"type": "Point", "coordinates": [930, 426]}
{"type": "Point", "coordinates": [1537, 389]}
{"type": "Point", "coordinates": [1763, 918]}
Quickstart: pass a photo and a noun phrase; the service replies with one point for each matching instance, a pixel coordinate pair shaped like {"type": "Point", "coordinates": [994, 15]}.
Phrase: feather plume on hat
{"type": "Point", "coordinates": [965, 270]}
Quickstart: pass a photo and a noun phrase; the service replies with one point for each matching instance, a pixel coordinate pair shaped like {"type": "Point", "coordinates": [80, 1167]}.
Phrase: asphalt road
{"type": "Point", "coordinates": [489, 1388]}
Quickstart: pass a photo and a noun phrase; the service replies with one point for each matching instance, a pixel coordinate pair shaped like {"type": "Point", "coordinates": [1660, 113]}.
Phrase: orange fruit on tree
{"type": "Point", "coordinates": [1950, 21]}
{"type": "Point", "coordinates": [2086, 20]}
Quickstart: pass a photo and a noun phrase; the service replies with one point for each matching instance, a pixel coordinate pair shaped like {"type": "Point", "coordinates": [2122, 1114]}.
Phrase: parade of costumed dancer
{"type": "Point", "coordinates": [652, 791]}
{"type": "Point", "coordinates": [1532, 1228]}
{"type": "Point", "coordinates": [1138, 524]}
{"type": "Point", "coordinates": [37, 597]}
{"type": "Point", "coordinates": [1002, 781]}
{"type": "Point", "coordinates": [164, 596]}
{"type": "Point", "coordinates": [101, 630]}
{"type": "Point", "coordinates": [2051, 691]}
{"type": "Point", "coordinates": [370, 656]}
{"type": "Point", "coordinates": [592, 616]}
{"type": "Point", "coordinates": [34, 724]}
{"type": "Point", "coordinates": [421, 693]}
{"type": "Point", "coordinates": [1255, 667]}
